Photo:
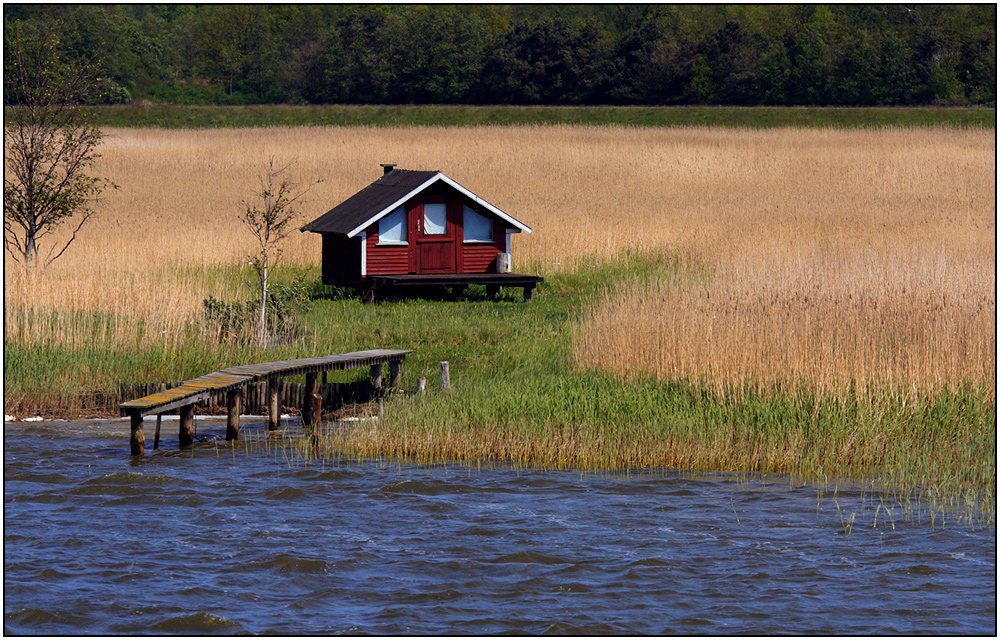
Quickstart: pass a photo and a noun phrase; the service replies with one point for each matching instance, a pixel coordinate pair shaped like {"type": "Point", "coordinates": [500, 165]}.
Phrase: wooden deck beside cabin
{"type": "Point", "coordinates": [230, 382]}
{"type": "Point", "coordinates": [391, 287]}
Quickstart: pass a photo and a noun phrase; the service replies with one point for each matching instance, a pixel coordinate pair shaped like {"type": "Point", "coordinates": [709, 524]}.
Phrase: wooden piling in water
{"type": "Point", "coordinates": [317, 409]}
{"type": "Point", "coordinates": [233, 406]}
{"type": "Point", "coordinates": [185, 434]}
{"type": "Point", "coordinates": [156, 438]}
{"type": "Point", "coordinates": [307, 399]}
{"type": "Point", "coordinates": [137, 440]}
{"type": "Point", "coordinates": [273, 405]}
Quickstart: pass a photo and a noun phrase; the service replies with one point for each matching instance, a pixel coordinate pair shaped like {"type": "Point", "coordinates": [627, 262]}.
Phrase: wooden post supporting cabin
{"type": "Point", "coordinates": [307, 400]}
{"type": "Point", "coordinates": [273, 403]}
{"type": "Point", "coordinates": [138, 440]}
{"type": "Point", "coordinates": [234, 402]}
{"type": "Point", "coordinates": [394, 368]}
{"type": "Point", "coordinates": [185, 436]}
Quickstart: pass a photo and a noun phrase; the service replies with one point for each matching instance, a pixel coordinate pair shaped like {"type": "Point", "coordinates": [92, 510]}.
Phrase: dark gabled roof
{"type": "Point", "coordinates": [383, 196]}
{"type": "Point", "coordinates": [363, 205]}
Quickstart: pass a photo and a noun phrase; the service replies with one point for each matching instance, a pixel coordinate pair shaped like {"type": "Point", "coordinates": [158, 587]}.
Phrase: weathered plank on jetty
{"type": "Point", "coordinates": [220, 382]}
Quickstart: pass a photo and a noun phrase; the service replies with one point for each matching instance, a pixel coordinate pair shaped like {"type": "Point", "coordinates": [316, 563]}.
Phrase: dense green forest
{"type": "Point", "coordinates": [851, 55]}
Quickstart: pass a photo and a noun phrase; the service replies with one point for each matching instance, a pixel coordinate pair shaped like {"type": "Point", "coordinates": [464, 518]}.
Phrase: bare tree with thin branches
{"type": "Point", "coordinates": [49, 148]}
{"type": "Point", "coordinates": [269, 218]}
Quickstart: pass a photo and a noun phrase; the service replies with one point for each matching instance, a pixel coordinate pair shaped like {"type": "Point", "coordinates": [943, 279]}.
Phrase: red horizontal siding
{"type": "Point", "coordinates": [385, 260]}
{"type": "Point", "coordinates": [388, 261]}
{"type": "Point", "coordinates": [482, 258]}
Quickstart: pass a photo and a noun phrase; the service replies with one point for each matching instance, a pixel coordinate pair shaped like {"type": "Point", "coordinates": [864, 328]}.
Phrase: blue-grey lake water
{"type": "Point", "coordinates": [220, 540]}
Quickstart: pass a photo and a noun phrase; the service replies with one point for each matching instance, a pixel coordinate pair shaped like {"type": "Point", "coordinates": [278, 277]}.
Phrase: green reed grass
{"type": "Point", "coordinates": [859, 504]}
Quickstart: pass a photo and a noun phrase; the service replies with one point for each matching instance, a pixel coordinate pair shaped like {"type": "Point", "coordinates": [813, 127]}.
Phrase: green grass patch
{"type": "Point", "coordinates": [174, 116]}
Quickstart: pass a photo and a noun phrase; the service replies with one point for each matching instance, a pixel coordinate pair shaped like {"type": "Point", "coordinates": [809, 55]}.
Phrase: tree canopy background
{"type": "Point", "coordinates": [850, 55]}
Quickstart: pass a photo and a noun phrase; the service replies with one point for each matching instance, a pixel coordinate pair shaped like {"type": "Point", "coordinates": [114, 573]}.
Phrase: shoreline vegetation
{"type": "Point", "coordinates": [175, 116]}
{"type": "Point", "coordinates": [777, 265]}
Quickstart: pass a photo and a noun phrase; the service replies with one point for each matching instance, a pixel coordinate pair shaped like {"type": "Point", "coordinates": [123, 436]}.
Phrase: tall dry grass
{"type": "Point", "coordinates": [889, 234]}
{"type": "Point", "coordinates": [916, 327]}
{"type": "Point", "coordinates": [835, 257]}
{"type": "Point", "coordinates": [588, 191]}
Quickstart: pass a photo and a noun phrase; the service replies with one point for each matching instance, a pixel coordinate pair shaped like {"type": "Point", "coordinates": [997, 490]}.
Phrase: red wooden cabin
{"type": "Point", "coordinates": [417, 228]}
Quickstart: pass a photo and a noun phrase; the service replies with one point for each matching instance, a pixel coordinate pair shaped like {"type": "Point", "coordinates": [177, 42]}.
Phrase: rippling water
{"type": "Point", "coordinates": [205, 541]}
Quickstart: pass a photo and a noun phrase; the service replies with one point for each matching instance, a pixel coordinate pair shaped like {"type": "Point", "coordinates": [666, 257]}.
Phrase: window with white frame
{"type": "Point", "coordinates": [392, 227]}
{"type": "Point", "coordinates": [478, 228]}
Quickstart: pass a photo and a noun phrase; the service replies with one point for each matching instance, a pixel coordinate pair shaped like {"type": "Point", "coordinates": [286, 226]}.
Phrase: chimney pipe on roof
{"type": "Point", "coordinates": [386, 168]}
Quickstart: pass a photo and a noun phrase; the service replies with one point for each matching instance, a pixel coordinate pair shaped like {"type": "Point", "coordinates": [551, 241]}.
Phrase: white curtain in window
{"type": "Point", "coordinates": [435, 219]}
{"type": "Point", "coordinates": [477, 228]}
{"type": "Point", "coordinates": [392, 228]}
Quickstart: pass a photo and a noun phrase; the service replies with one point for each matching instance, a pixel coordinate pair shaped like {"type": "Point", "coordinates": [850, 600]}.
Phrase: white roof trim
{"type": "Point", "coordinates": [392, 207]}
{"type": "Point", "coordinates": [438, 176]}
{"type": "Point", "coordinates": [486, 205]}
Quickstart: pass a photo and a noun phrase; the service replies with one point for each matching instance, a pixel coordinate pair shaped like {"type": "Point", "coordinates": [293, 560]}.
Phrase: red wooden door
{"type": "Point", "coordinates": [434, 233]}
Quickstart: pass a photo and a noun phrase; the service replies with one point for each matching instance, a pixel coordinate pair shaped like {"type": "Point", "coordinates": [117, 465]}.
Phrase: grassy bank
{"type": "Point", "coordinates": [202, 117]}
{"type": "Point", "coordinates": [518, 397]}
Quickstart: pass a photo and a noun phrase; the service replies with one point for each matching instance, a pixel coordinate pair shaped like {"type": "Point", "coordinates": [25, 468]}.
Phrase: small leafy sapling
{"type": "Point", "coordinates": [269, 218]}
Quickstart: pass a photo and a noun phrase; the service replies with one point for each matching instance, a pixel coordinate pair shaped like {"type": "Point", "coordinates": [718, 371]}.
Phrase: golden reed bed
{"type": "Point", "coordinates": [825, 255]}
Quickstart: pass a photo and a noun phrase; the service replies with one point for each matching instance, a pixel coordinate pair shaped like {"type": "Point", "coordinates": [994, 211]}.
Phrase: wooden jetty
{"type": "Point", "coordinates": [230, 382]}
